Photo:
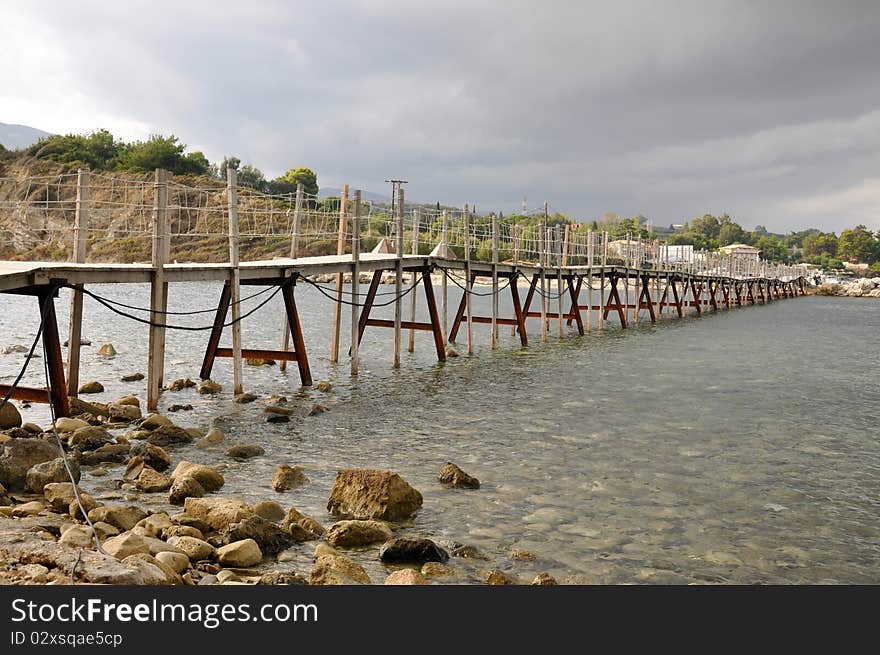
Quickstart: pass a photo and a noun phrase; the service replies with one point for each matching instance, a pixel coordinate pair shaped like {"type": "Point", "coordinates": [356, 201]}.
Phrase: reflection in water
{"type": "Point", "coordinates": [740, 447]}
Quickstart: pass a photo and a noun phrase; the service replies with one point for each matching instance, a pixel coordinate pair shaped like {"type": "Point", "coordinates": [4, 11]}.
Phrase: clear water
{"type": "Point", "coordinates": [736, 447]}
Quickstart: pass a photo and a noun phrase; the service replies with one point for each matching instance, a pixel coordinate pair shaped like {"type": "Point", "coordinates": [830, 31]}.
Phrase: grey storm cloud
{"type": "Point", "coordinates": [769, 111]}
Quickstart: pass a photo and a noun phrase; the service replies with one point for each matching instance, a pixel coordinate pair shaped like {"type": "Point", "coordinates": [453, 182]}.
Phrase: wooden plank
{"type": "Point", "coordinates": [256, 353]}
{"type": "Point", "coordinates": [28, 394]}
{"type": "Point", "coordinates": [406, 325]}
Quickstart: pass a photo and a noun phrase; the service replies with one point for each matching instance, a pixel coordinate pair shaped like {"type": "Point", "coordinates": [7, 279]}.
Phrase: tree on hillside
{"type": "Point", "coordinates": [97, 150]}
{"type": "Point", "coordinates": [858, 245]}
{"type": "Point", "coordinates": [707, 225]}
{"type": "Point", "coordinates": [772, 249]}
{"type": "Point", "coordinates": [818, 244]}
{"type": "Point", "coordinates": [252, 177]}
{"type": "Point", "coordinates": [731, 232]}
{"type": "Point", "coordinates": [287, 183]}
{"type": "Point", "coordinates": [160, 152]}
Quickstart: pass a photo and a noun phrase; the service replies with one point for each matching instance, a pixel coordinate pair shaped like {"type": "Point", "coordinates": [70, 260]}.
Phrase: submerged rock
{"type": "Point", "coordinates": [92, 386]}
{"type": "Point", "coordinates": [245, 451]}
{"type": "Point", "coordinates": [452, 475]}
{"type": "Point", "coordinates": [133, 377]}
{"type": "Point", "coordinates": [544, 580]}
{"type": "Point", "coordinates": [372, 494]}
{"type": "Point", "coordinates": [244, 398]}
{"type": "Point", "coordinates": [288, 477]}
{"type": "Point", "coordinates": [169, 435]}
{"type": "Point", "coordinates": [107, 350]}
{"type": "Point", "coordinates": [208, 387]}
{"type": "Point", "coordinates": [412, 549]}
{"type": "Point", "coordinates": [89, 438]}
{"type": "Point", "coordinates": [496, 577]}
{"type": "Point", "coordinates": [180, 384]}
{"type": "Point", "coordinates": [269, 510]}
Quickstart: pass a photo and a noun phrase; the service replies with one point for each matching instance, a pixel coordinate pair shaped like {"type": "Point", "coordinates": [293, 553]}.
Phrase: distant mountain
{"type": "Point", "coordinates": [19, 136]}
{"type": "Point", "coordinates": [365, 195]}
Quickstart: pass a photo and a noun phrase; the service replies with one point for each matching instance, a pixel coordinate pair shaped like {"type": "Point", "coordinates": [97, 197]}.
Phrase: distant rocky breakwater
{"type": "Point", "coordinates": [863, 288]}
{"type": "Point", "coordinates": [50, 529]}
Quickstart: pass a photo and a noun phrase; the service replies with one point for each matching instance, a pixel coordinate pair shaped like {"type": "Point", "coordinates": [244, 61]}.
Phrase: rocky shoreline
{"type": "Point", "coordinates": [862, 288]}
{"type": "Point", "coordinates": [52, 532]}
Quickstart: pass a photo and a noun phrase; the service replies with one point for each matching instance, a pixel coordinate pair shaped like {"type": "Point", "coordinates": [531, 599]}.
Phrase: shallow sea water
{"type": "Point", "coordinates": [738, 447]}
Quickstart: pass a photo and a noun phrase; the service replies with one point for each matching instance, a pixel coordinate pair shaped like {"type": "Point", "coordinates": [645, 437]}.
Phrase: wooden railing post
{"type": "Point", "coordinates": [398, 277]}
{"type": "Point", "coordinates": [294, 253]}
{"type": "Point", "coordinates": [158, 290]}
{"type": "Point", "coordinates": [468, 284]}
{"type": "Point", "coordinates": [355, 280]}
{"type": "Point", "coordinates": [234, 277]}
{"type": "Point", "coordinates": [340, 250]}
{"type": "Point", "coordinates": [80, 246]}
{"type": "Point", "coordinates": [444, 286]}
{"type": "Point", "coordinates": [494, 338]}
{"type": "Point", "coordinates": [416, 219]}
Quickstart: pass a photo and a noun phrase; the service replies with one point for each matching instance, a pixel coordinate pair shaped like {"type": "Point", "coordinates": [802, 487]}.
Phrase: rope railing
{"type": "Point", "coordinates": [117, 213]}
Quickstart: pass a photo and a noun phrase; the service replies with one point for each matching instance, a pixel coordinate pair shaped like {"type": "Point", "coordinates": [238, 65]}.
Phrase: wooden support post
{"type": "Point", "coordinates": [439, 343]}
{"type": "Point", "coordinates": [368, 303]}
{"type": "Point", "coordinates": [646, 295]}
{"type": "Point", "coordinates": [299, 345]}
{"type": "Point", "coordinates": [158, 291]}
{"type": "Point", "coordinates": [355, 280]}
{"type": "Point", "coordinates": [542, 262]}
{"type": "Point", "coordinates": [575, 307]}
{"type": "Point", "coordinates": [494, 337]}
{"type": "Point", "coordinates": [294, 253]}
{"type": "Point", "coordinates": [677, 299]}
{"type": "Point", "coordinates": [697, 294]}
{"type": "Point", "coordinates": [469, 279]}
{"type": "Point", "coordinates": [52, 353]}
{"type": "Point", "coordinates": [604, 254]}
{"type": "Point", "coordinates": [235, 279]}
{"type": "Point", "coordinates": [518, 311]}
{"type": "Point", "coordinates": [398, 277]}
{"type": "Point", "coordinates": [216, 331]}
{"type": "Point", "coordinates": [411, 346]}
{"type": "Point", "coordinates": [80, 245]}
{"type": "Point", "coordinates": [444, 290]}
{"type": "Point", "coordinates": [340, 250]}
{"type": "Point", "coordinates": [618, 305]}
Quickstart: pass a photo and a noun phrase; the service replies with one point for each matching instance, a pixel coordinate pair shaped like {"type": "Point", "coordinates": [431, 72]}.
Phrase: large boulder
{"type": "Point", "coordinates": [242, 553]}
{"type": "Point", "coordinates": [270, 510]}
{"type": "Point", "coordinates": [354, 534]}
{"type": "Point", "coordinates": [169, 435]}
{"type": "Point", "coordinates": [89, 438]}
{"type": "Point", "coordinates": [19, 455]}
{"type": "Point", "coordinates": [288, 477]}
{"type": "Point", "coordinates": [452, 475]}
{"type": "Point", "coordinates": [151, 481]}
{"type": "Point", "coordinates": [120, 411]}
{"type": "Point", "coordinates": [125, 544]}
{"type": "Point", "coordinates": [59, 495]}
{"type": "Point", "coordinates": [115, 453]}
{"type": "Point", "coordinates": [208, 387]}
{"type": "Point", "coordinates": [65, 424]}
{"type": "Point", "coordinates": [39, 475]}
{"type": "Point", "coordinates": [245, 451]}
{"type": "Point", "coordinates": [195, 549]}
{"type": "Point", "coordinates": [219, 512]}
{"type": "Point", "coordinates": [372, 494]}
{"type": "Point", "coordinates": [412, 549]}
{"type": "Point", "coordinates": [208, 477]}
{"type": "Point", "coordinates": [9, 416]}
{"type": "Point", "coordinates": [81, 407]}
{"type": "Point", "coordinates": [269, 536]}
{"type": "Point", "coordinates": [185, 487]}
{"type": "Point", "coordinates": [124, 517]}
{"type": "Point", "coordinates": [150, 573]}
{"type": "Point", "coordinates": [333, 568]}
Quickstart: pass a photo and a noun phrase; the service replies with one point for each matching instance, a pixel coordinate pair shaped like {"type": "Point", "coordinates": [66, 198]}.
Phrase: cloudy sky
{"type": "Point", "coordinates": [769, 110]}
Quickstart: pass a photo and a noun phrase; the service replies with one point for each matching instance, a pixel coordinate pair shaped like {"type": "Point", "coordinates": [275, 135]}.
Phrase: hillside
{"type": "Point", "coordinates": [14, 137]}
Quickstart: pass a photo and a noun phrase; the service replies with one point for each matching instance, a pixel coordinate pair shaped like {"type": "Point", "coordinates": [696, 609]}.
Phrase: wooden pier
{"type": "Point", "coordinates": [572, 270]}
